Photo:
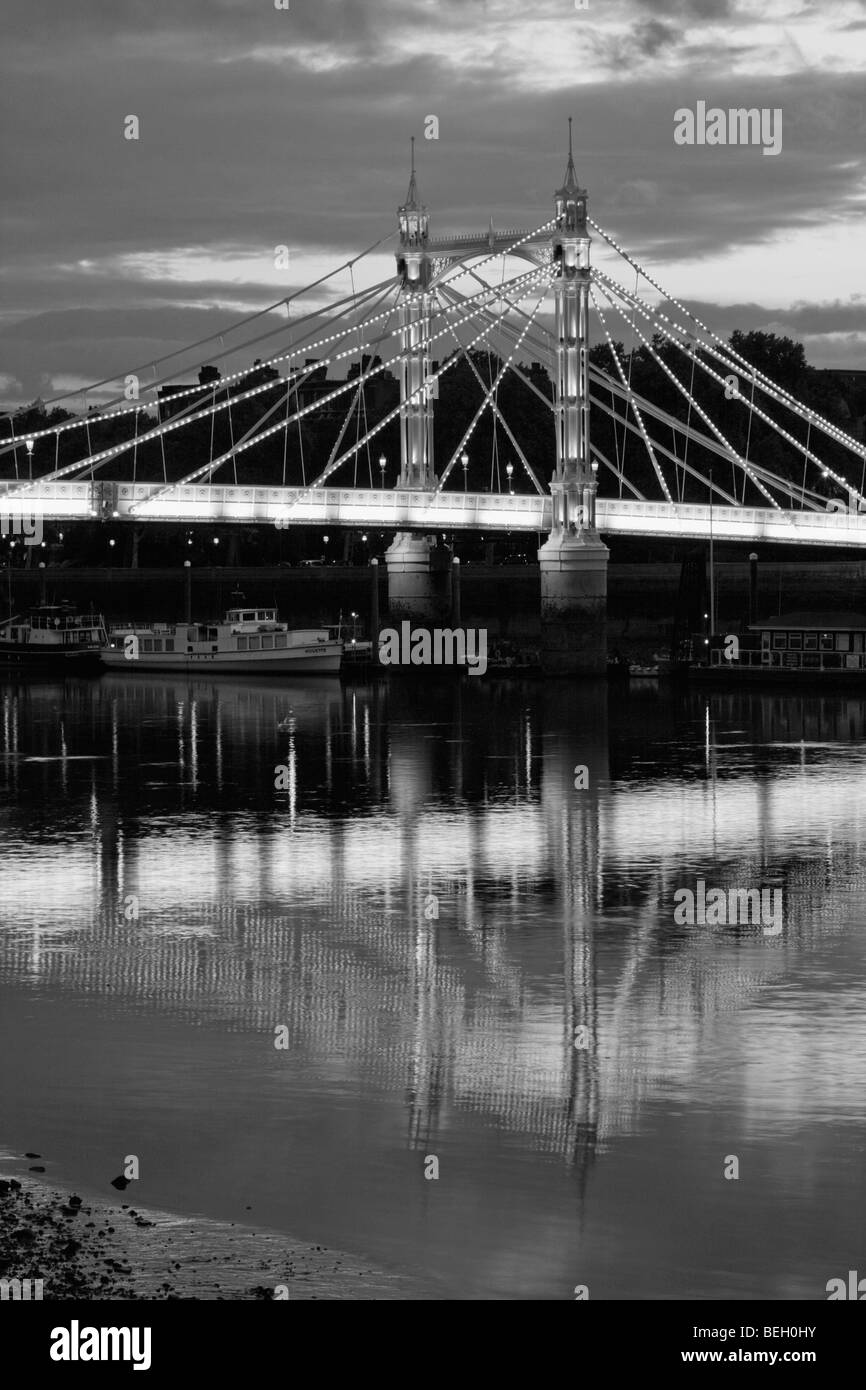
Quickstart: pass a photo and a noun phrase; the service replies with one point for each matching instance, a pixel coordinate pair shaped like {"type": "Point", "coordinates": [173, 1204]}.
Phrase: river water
{"type": "Point", "coordinates": [466, 959]}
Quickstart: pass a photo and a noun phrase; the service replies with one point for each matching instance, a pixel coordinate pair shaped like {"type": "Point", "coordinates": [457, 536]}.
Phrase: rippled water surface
{"type": "Point", "coordinates": [165, 909]}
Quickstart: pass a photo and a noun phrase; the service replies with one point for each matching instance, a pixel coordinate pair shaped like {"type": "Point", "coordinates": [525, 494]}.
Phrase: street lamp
{"type": "Point", "coordinates": [382, 463]}
{"type": "Point", "coordinates": [464, 459]}
{"type": "Point", "coordinates": [29, 443]}
{"type": "Point", "coordinates": [509, 468]}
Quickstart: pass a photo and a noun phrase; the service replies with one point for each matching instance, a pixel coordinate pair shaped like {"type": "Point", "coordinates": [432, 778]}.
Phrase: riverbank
{"type": "Point", "coordinates": [504, 599]}
{"type": "Point", "coordinates": [99, 1250]}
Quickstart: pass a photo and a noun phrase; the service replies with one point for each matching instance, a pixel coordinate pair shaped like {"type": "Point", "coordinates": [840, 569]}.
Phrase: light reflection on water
{"type": "Point", "coordinates": [411, 1034]}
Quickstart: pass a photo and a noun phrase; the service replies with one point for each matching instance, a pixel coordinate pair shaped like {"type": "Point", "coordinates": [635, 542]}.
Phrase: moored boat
{"type": "Point", "coordinates": [249, 641]}
{"type": "Point", "coordinates": [53, 637]}
{"type": "Point", "coordinates": [794, 648]}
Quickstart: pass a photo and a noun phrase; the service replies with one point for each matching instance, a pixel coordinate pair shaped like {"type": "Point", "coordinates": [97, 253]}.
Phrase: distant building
{"type": "Point", "coordinates": [313, 386]}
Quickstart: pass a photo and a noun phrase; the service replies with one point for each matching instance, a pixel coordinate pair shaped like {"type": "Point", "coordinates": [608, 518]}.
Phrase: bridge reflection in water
{"type": "Point", "coordinates": [149, 861]}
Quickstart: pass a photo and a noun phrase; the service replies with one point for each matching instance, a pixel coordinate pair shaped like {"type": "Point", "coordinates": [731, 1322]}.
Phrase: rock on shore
{"type": "Point", "coordinates": [96, 1250]}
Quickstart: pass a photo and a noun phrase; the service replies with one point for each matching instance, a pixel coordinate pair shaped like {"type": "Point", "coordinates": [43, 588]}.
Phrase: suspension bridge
{"type": "Point", "coordinates": [480, 302]}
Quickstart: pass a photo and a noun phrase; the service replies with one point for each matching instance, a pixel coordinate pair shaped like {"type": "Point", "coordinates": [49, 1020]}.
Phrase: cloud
{"type": "Point", "coordinates": [262, 127]}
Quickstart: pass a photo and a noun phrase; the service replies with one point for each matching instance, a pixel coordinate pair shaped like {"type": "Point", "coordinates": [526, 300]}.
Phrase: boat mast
{"type": "Point", "coordinates": [712, 567]}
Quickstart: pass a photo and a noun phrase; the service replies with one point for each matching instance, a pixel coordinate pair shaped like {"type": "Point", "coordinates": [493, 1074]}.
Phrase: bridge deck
{"type": "Point", "coordinates": [449, 511]}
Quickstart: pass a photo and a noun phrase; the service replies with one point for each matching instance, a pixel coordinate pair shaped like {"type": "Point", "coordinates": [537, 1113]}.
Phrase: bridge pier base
{"type": "Point", "coordinates": [574, 604]}
{"type": "Point", "coordinates": [419, 580]}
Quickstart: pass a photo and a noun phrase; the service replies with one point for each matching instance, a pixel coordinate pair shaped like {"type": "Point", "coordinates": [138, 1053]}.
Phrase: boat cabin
{"type": "Point", "coordinates": [244, 629]}
{"type": "Point", "coordinates": [800, 641]}
{"type": "Point", "coordinates": [54, 625]}
{"type": "Point", "coordinates": [253, 620]}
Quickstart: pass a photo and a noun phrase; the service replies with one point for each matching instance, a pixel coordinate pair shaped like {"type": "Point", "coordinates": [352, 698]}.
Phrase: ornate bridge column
{"type": "Point", "coordinates": [418, 575]}
{"type": "Point", "coordinates": [573, 560]}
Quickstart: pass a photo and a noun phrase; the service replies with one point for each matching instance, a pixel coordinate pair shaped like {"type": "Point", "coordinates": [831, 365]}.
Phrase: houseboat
{"type": "Point", "coordinates": [798, 647]}
{"type": "Point", "coordinates": [249, 641]}
{"type": "Point", "coordinates": [53, 637]}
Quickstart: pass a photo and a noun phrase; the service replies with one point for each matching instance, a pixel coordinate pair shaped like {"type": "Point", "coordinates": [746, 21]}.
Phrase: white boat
{"type": "Point", "coordinates": [250, 641]}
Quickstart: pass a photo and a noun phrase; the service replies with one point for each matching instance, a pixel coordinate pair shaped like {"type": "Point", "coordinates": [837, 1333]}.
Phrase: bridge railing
{"type": "Point", "coordinates": [406, 509]}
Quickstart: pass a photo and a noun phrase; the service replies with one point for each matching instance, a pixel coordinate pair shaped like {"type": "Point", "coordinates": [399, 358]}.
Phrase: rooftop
{"type": "Point", "coordinates": [817, 621]}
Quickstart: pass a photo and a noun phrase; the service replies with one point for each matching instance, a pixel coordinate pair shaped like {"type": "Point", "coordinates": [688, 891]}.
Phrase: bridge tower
{"type": "Point", "coordinates": [416, 405]}
{"type": "Point", "coordinates": [573, 560]}
{"type": "Point", "coordinates": [418, 574]}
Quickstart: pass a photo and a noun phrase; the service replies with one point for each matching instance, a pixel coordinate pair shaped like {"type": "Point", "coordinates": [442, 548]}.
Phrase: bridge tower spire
{"type": "Point", "coordinates": [573, 561]}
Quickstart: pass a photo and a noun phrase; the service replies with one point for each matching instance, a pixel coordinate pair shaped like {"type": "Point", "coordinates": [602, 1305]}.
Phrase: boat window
{"type": "Point", "coordinates": [795, 641]}
{"type": "Point", "coordinates": [765, 641]}
{"type": "Point", "coordinates": [169, 644]}
{"type": "Point", "coordinates": [780, 641]}
{"type": "Point", "coordinates": [843, 642]}
{"type": "Point", "coordinates": [147, 644]}
{"type": "Point", "coordinates": [248, 617]}
{"type": "Point", "coordinates": [810, 641]}
{"type": "Point", "coordinates": [826, 641]}
{"type": "Point", "coordinates": [212, 634]}
{"type": "Point", "coordinates": [242, 644]}
{"type": "Point", "coordinates": [190, 634]}
{"type": "Point", "coordinates": [255, 643]}
{"type": "Point", "coordinates": [280, 640]}
{"type": "Point", "coordinates": [267, 644]}
{"type": "Point", "coordinates": [157, 644]}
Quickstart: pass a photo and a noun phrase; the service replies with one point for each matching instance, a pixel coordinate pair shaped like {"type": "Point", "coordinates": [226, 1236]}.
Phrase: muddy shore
{"type": "Point", "coordinates": [92, 1249]}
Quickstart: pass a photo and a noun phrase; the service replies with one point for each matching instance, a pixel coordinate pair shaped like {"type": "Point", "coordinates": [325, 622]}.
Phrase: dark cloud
{"type": "Point", "coordinates": [710, 10]}
{"type": "Point", "coordinates": [654, 36]}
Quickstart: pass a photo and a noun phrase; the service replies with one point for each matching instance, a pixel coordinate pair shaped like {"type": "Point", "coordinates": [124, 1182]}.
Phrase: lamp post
{"type": "Point", "coordinates": [382, 464]}
{"type": "Point", "coordinates": [464, 459]}
{"type": "Point", "coordinates": [29, 443]}
{"type": "Point", "coordinates": [509, 468]}
{"type": "Point", "coordinates": [753, 587]}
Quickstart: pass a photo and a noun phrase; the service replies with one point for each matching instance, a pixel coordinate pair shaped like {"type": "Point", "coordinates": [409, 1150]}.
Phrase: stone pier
{"type": "Point", "coordinates": [419, 580]}
{"type": "Point", "coordinates": [574, 604]}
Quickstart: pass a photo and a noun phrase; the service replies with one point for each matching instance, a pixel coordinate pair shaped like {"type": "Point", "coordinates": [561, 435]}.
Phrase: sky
{"type": "Point", "coordinates": [261, 127]}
